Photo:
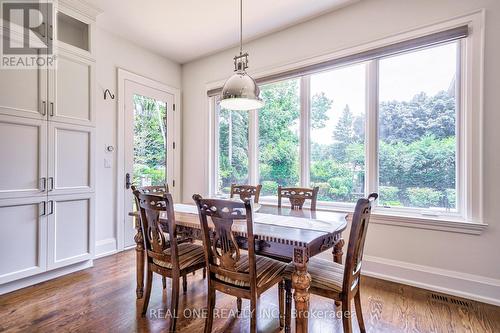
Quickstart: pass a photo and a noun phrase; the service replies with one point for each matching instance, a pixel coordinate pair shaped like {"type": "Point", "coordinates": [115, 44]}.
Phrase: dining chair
{"type": "Point", "coordinates": [160, 190]}
{"type": "Point", "coordinates": [337, 281]}
{"type": "Point", "coordinates": [298, 195]}
{"type": "Point", "coordinates": [246, 191]}
{"type": "Point", "coordinates": [169, 259]}
{"type": "Point", "coordinates": [229, 270]}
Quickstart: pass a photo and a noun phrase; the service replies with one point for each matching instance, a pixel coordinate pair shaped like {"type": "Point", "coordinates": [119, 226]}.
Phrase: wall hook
{"type": "Point", "coordinates": [106, 92]}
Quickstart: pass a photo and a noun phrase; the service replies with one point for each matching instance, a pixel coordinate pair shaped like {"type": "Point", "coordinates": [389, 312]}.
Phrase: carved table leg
{"type": "Point", "coordinates": [337, 255]}
{"type": "Point", "coordinates": [139, 248]}
{"type": "Point", "coordinates": [301, 281]}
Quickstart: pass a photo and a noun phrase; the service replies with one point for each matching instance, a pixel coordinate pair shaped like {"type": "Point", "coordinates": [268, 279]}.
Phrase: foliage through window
{"type": "Point", "coordinates": [417, 136]}
{"type": "Point", "coordinates": [337, 161]}
{"type": "Point", "coordinates": [279, 136]}
{"type": "Point", "coordinates": [413, 163]}
{"type": "Point", "coordinates": [232, 148]}
{"type": "Point", "coordinates": [149, 141]}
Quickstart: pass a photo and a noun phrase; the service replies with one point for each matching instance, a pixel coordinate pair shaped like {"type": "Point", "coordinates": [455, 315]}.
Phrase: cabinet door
{"type": "Point", "coordinates": [71, 159]}
{"type": "Point", "coordinates": [23, 151]}
{"type": "Point", "coordinates": [23, 238]}
{"type": "Point", "coordinates": [24, 93]}
{"type": "Point", "coordinates": [70, 229]}
{"type": "Point", "coordinates": [70, 93]}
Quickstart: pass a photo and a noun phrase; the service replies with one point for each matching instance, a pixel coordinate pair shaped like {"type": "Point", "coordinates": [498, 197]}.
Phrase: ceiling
{"type": "Point", "coordinates": [183, 30]}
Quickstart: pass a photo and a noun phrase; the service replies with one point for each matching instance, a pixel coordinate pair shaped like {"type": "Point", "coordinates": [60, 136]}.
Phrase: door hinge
{"type": "Point", "coordinates": [174, 106]}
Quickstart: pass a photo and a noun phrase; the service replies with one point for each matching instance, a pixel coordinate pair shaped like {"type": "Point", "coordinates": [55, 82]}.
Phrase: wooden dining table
{"type": "Point", "coordinates": [281, 233]}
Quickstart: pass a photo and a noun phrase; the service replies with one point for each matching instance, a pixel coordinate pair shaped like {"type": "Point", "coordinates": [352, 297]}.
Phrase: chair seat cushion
{"type": "Point", "coordinates": [267, 270]}
{"type": "Point", "coordinates": [188, 255]}
{"type": "Point", "coordinates": [325, 274]}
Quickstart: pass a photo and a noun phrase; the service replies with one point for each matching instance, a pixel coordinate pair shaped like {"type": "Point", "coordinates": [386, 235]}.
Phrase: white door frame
{"type": "Point", "coordinates": [124, 75]}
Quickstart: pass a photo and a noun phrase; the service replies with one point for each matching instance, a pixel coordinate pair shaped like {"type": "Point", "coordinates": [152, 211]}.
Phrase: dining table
{"type": "Point", "coordinates": [285, 234]}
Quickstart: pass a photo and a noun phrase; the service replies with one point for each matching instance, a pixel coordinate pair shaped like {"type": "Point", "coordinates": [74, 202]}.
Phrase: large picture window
{"type": "Point", "coordinates": [416, 126]}
{"type": "Point", "coordinates": [390, 120]}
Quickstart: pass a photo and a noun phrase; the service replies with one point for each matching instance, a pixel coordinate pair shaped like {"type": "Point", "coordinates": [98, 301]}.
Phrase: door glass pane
{"type": "Point", "coordinates": [149, 142]}
{"type": "Point", "coordinates": [338, 133]}
{"type": "Point", "coordinates": [279, 136]}
{"type": "Point", "coordinates": [233, 148]}
{"type": "Point", "coordinates": [417, 129]}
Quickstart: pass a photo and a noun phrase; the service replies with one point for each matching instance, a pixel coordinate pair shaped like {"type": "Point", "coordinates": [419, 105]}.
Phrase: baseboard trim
{"type": "Point", "coordinates": [105, 247]}
{"type": "Point", "coordinates": [32, 280]}
{"type": "Point", "coordinates": [470, 286]}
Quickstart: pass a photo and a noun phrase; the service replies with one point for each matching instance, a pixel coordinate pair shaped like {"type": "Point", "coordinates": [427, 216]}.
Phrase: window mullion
{"type": "Point", "coordinates": [305, 129]}
{"type": "Point", "coordinates": [371, 136]}
{"type": "Point", "coordinates": [215, 144]}
{"type": "Point", "coordinates": [253, 147]}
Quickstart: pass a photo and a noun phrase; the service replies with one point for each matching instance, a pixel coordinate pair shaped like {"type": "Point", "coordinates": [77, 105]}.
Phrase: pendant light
{"type": "Point", "coordinates": [240, 92]}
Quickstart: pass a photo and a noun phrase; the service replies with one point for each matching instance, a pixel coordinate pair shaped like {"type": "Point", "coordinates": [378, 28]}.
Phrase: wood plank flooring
{"type": "Point", "coordinates": [102, 299]}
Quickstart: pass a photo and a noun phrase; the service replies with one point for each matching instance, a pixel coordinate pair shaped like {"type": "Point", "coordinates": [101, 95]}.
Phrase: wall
{"type": "Point", "coordinates": [113, 52]}
{"type": "Point", "coordinates": [465, 265]}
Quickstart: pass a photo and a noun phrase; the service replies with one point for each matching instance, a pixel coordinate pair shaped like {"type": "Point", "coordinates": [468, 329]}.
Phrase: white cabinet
{"type": "Point", "coordinates": [70, 229]}
{"type": "Point", "coordinates": [23, 238]}
{"type": "Point", "coordinates": [71, 158]}
{"type": "Point", "coordinates": [71, 94]}
{"type": "Point", "coordinates": [23, 151]}
{"type": "Point", "coordinates": [47, 140]}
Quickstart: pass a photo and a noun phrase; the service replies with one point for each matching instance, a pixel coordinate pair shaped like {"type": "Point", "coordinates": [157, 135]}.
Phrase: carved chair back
{"type": "Point", "coordinates": [359, 227]}
{"type": "Point", "coordinates": [246, 191]}
{"type": "Point", "coordinates": [298, 195]}
{"type": "Point", "coordinates": [158, 190]}
{"type": "Point", "coordinates": [155, 243]}
{"type": "Point", "coordinates": [222, 252]}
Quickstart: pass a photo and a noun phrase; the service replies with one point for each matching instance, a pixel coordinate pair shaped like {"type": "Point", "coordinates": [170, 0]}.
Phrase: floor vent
{"type": "Point", "coordinates": [451, 300]}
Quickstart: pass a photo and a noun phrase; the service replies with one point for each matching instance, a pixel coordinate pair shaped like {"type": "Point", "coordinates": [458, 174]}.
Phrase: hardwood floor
{"type": "Point", "coordinates": [102, 298]}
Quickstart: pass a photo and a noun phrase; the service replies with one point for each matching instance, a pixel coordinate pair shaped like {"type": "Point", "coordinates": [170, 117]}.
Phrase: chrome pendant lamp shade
{"type": "Point", "coordinates": [240, 91]}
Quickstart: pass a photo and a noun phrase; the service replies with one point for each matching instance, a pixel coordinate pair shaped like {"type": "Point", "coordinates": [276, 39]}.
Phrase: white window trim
{"type": "Point", "coordinates": [470, 146]}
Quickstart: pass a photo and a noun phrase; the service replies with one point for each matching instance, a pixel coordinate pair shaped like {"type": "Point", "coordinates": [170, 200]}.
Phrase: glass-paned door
{"type": "Point", "coordinates": [148, 145]}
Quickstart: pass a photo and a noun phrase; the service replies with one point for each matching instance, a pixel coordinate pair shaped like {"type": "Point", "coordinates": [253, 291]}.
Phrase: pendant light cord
{"type": "Point", "coordinates": [241, 27]}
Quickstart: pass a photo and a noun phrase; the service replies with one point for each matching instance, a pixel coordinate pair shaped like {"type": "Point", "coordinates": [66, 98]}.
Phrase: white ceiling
{"type": "Point", "coordinates": [183, 30]}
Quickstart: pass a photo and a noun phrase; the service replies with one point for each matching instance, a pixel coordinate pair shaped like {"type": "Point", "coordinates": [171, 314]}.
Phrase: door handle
{"type": "Point", "coordinates": [44, 208]}
{"type": "Point", "coordinates": [127, 181]}
{"type": "Point", "coordinates": [51, 32]}
{"type": "Point", "coordinates": [52, 207]}
{"type": "Point", "coordinates": [44, 108]}
{"type": "Point", "coordinates": [52, 109]}
{"type": "Point", "coordinates": [43, 30]}
{"type": "Point", "coordinates": [51, 184]}
{"type": "Point", "coordinates": [43, 184]}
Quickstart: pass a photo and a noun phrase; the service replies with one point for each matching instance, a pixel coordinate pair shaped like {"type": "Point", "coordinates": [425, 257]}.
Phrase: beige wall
{"type": "Point", "coordinates": [454, 262]}
{"type": "Point", "coordinates": [113, 52]}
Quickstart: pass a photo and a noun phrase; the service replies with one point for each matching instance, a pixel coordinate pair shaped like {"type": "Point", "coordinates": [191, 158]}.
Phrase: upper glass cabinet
{"type": "Point", "coordinates": [72, 31]}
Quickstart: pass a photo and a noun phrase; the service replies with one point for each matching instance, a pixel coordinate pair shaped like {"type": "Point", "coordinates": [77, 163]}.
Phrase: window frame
{"type": "Point", "coordinates": [469, 182]}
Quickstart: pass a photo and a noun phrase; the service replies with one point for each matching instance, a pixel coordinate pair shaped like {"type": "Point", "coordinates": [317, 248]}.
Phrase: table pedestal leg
{"type": "Point", "coordinates": [139, 248]}
{"type": "Point", "coordinates": [301, 281]}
